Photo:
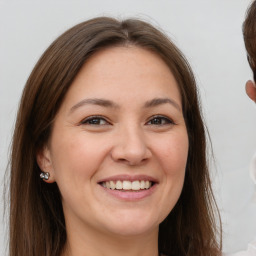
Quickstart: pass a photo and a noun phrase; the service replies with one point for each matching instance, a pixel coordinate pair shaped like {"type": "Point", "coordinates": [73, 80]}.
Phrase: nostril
{"type": "Point", "coordinates": [122, 160]}
{"type": "Point", "coordinates": [131, 160]}
{"type": "Point", "coordinates": [131, 152]}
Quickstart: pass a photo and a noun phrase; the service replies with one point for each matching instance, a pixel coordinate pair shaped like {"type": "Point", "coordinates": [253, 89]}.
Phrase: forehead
{"type": "Point", "coordinates": [118, 72]}
{"type": "Point", "coordinates": [121, 56]}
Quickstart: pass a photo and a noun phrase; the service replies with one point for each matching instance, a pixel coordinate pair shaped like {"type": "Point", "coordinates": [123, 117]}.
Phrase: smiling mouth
{"type": "Point", "coordinates": [126, 185]}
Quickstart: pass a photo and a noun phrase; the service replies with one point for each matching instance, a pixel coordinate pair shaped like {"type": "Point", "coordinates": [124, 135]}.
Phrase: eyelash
{"type": "Point", "coordinates": [167, 121]}
{"type": "Point", "coordinates": [95, 121]}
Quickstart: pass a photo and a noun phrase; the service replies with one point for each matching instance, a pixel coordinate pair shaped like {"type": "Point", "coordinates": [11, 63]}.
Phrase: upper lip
{"type": "Point", "coordinates": [123, 177]}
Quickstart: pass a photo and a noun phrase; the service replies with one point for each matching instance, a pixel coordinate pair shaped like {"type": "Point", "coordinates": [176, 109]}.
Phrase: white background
{"type": "Point", "coordinates": [207, 31]}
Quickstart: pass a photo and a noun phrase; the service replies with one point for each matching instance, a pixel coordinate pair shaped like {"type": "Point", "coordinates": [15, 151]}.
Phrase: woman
{"type": "Point", "coordinates": [109, 149]}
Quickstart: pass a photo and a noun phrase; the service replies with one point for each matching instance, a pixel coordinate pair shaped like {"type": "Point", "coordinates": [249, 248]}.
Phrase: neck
{"type": "Point", "coordinates": [95, 243]}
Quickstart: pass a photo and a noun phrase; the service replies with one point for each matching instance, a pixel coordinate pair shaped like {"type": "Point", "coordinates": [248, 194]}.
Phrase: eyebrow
{"type": "Point", "coordinates": [110, 104]}
{"type": "Point", "coordinates": [159, 101]}
{"type": "Point", "coordinates": [94, 101]}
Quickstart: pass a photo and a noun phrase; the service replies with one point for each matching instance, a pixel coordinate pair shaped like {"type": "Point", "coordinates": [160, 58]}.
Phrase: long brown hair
{"type": "Point", "coordinates": [249, 33]}
{"type": "Point", "coordinates": [37, 225]}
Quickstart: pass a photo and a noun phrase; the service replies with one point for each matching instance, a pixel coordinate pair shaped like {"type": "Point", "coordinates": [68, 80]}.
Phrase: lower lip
{"type": "Point", "coordinates": [131, 195]}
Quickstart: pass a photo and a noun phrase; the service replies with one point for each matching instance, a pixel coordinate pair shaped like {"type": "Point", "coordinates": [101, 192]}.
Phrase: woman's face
{"type": "Point", "coordinates": [119, 144]}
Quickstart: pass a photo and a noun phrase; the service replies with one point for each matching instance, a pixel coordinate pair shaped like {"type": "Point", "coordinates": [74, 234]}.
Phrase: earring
{"type": "Point", "coordinates": [45, 175]}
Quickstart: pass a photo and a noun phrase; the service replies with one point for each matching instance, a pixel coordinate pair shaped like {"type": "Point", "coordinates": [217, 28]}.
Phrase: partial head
{"type": "Point", "coordinates": [46, 90]}
{"type": "Point", "coordinates": [249, 33]}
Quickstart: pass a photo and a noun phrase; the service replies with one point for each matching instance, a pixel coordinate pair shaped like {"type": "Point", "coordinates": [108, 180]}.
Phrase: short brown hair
{"type": "Point", "coordinates": [249, 33]}
{"type": "Point", "coordinates": [37, 225]}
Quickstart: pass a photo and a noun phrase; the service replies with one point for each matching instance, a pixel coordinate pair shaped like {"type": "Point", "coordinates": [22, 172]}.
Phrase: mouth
{"type": "Point", "coordinates": [127, 185]}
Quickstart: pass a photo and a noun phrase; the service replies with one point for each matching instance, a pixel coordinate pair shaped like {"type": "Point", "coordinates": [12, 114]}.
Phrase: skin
{"type": "Point", "coordinates": [131, 137]}
{"type": "Point", "coordinates": [250, 89]}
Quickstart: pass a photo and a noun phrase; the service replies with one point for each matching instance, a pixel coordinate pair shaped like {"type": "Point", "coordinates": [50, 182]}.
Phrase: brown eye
{"type": "Point", "coordinates": [95, 121]}
{"type": "Point", "coordinates": [160, 120]}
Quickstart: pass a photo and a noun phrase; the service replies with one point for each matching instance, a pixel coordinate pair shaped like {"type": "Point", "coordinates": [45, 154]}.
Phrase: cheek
{"type": "Point", "coordinates": [173, 155]}
{"type": "Point", "coordinates": [76, 156]}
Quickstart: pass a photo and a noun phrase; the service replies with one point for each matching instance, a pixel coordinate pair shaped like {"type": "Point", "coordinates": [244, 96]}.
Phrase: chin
{"type": "Point", "coordinates": [131, 230]}
{"type": "Point", "coordinates": [133, 226]}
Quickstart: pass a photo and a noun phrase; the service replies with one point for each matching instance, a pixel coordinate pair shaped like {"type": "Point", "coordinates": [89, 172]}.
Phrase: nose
{"type": "Point", "coordinates": [131, 147]}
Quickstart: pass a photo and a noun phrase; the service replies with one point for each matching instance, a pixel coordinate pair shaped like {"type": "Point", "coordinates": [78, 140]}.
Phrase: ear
{"type": "Point", "coordinates": [251, 90]}
{"type": "Point", "coordinates": [44, 161]}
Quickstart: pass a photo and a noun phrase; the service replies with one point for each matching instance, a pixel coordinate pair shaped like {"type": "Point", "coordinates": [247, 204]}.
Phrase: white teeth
{"type": "Point", "coordinates": [142, 184]}
{"type": "Point", "coordinates": [127, 185]}
{"type": "Point", "coordinates": [147, 184]}
{"type": "Point", "coordinates": [136, 185]}
{"type": "Point", "coordinates": [119, 184]}
{"type": "Point", "coordinates": [112, 185]}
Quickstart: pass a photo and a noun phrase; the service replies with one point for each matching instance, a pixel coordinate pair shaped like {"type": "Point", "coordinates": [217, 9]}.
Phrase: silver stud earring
{"type": "Point", "coordinates": [45, 175]}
